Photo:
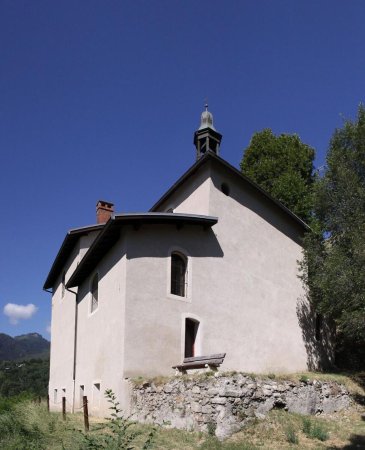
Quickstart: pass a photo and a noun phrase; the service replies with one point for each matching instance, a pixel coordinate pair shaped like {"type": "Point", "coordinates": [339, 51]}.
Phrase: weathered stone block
{"type": "Point", "coordinates": [219, 400]}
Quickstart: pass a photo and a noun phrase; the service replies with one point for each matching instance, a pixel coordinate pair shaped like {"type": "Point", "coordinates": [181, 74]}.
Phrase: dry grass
{"type": "Point", "coordinates": [345, 431]}
{"type": "Point", "coordinates": [271, 433]}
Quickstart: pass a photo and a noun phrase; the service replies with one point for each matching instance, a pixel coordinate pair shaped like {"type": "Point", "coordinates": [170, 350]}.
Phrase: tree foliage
{"type": "Point", "coordinates": [21, 377]}
{"type": "Point", "coordinates": [282, 166]}
{"type": "Point", "coordinates": [333, 266]}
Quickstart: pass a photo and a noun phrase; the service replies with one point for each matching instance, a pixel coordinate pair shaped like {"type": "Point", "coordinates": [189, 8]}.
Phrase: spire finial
{"type": "Point", "coordinates": [206, 137]}
{"type": "Point", "coordinates": [206, 120]}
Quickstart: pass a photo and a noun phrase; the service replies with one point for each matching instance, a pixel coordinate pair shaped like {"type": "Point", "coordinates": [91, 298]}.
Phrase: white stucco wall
{"type": "Point", "coordinates": [193, 196]}
{"type": "Point", "coordinates": [63, 330]}
{"type": "Point", "coordinates": [245, 299]}
{"type": "Point", "coordinates": [258, 281]}
{"type": "Point", "coordinates": [242, 287]}
{"type": "Point", "coordinates": [100, 334]}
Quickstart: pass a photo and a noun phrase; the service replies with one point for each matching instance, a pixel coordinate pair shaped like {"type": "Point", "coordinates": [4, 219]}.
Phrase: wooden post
{"type": "Point", "coordinates": [64, 408]}
{"type": "Point", "coordinates": [48, 402]}
{"type": "Point", "coordinates": [86, 413]}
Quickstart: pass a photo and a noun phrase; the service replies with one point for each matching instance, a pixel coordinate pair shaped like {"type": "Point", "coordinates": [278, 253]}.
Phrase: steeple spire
{"type": "Point", "coordinates": [206, 138]}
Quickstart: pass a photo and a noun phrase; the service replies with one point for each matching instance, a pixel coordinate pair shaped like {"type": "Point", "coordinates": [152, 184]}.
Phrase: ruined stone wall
{"type": "Point", "coordinates": [226, 403]}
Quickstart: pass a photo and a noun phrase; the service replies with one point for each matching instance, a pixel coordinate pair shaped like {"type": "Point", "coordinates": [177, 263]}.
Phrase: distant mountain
{"type": "Point", "coordinates": [26, 346]}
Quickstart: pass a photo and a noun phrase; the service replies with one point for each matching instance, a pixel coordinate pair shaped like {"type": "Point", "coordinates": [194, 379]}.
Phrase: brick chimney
{"type": "Point", "coordinates": [104, 210]}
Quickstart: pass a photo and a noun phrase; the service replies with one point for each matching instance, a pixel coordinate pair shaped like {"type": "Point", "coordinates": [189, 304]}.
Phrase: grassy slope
{"type": "Point", "coordinates": [34, 428]}
{"type": "Point", "coordinates": [26, 425]}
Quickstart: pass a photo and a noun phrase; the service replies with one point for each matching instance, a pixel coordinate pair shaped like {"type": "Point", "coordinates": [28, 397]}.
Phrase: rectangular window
{"type": "Point", "coordinates": [191, 331]}
{"type": "Point", "coordinates": [82, 393]}
{"type": "Point", "coordinates": [55, 396]}
{"type": "Point", "coordinates": [96, 395]}
{"type": "Point", "coordinates": [94, 293]}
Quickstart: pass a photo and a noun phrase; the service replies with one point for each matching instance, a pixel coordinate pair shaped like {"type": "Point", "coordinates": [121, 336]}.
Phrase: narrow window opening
{"type": "Point", "coordinates": [63, 284]}
{"type": "Point", "coordinates": [96, 395]}
{"type": "Point", "coordinates": [191, 331]}
{"type": "Point", "coordinates": [82, 393]}
{"type": "Point", "coordinates": [225, 188]}
{"type": "Point", "coordinates": [55, 396]}
{"type": "Point", "coordinates": [95, 293]}
{"type": "Point", "coordinates": [178, 274]}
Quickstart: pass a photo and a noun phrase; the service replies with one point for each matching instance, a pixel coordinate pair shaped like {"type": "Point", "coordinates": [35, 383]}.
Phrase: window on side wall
{"type": "Point", "coordinates": [96, 395]}
{"type": "Point", "coordinates": [63, 284]}
{"type": "Point", "coordinates": [178, 274]}
{"type": "Point", "coordinates": [94, 293]}
{"type": "Point", "coordinates": [82, 393]}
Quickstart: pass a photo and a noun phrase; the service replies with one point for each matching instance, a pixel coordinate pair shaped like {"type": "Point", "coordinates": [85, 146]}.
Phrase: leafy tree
{"type": "Point", "coordinates": [334, 257]}
{"type": "Point", "coordinates": [17, 377]}
{"type": "Point", "coordinates": [282, 166]}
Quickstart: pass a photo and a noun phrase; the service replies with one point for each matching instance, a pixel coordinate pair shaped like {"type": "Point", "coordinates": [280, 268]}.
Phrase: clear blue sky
{"type": "Point", "coordinates": [100, 99]}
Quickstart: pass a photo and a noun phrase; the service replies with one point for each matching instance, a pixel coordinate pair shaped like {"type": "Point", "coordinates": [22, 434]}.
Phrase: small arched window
{"type": "Point", "coordinates": [178, 274]}
{"type": "Point", "coordinates": [94, 293]}
{"type": "Point", "coordinates": [63, 284]}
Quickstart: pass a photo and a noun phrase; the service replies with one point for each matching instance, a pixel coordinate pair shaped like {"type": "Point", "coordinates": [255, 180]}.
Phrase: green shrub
{"type": "Point", "coordinates": [212, 426]}
{"type": "Point", "coordinates": [304, 379]}
{"type": "Point", "coordinates": [314, 430]}
{"type": "Point", "coordinates": [291, 435]}
{"type": "Point", "coordinates": [306, 426]}
{"type": "Point", "coordinates": [120, 432]}
{"type": "Point", "coordinates": [318, 432]}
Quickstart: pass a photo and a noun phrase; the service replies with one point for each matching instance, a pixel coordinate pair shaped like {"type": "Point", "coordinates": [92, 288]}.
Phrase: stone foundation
{"type": "Point", "coordinates": [226, 403]}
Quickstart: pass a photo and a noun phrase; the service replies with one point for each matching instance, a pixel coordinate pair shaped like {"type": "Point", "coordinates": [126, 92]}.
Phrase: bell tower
{"type": "Point", "coordinates": [206, 138]}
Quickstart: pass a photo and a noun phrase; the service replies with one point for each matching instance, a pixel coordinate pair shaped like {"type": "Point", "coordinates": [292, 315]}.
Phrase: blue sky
{"type": "Point", "coordinates": [100, 99]}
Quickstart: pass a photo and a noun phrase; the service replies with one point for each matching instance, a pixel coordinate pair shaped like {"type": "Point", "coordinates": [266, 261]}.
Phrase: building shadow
{"type": "Point", "coordinates": [359, 379]}
{"type": "Point", "coordinates": [318, 337]}
{"type": "Point", "coordinates": [357, 442]}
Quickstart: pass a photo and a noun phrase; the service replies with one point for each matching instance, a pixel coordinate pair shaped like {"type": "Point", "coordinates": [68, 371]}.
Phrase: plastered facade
{"type": "Point", "coordinates": [242, 288]}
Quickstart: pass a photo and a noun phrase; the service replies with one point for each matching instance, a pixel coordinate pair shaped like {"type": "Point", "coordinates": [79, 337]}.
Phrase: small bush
{"type": "Point", "coordinates": [120, 432]}
{"type": "Point", "coordinates": [271, 376]}
{"type": "Point", "coordinates": [307, 426]}
{"type": "Point", "coordinates": [314, 430]}
{"type": "Point", "coordinates": [212, 426]}
{"type": "Point", "coordinates": [291, 435]}
{"type": "Point", "coordinates": [304, 379]}
{"type": "Point", "coordinates": [318, 432]}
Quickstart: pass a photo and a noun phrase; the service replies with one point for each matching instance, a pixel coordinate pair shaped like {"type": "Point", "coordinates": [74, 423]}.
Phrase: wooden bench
{"type": "Point", "coordinates": [201, 362]}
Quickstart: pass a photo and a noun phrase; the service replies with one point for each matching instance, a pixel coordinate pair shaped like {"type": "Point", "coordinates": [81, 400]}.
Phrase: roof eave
{"type": "Point", "coordinates": [210, 155]}
{"type": "Point", "coordinates": [65, 250]}
{"type": "Point", "coordinates": [113, 226]}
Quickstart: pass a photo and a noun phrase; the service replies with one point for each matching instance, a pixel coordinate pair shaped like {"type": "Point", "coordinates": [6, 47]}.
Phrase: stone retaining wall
{"type": "Point", "coordinates": [225, 403]}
